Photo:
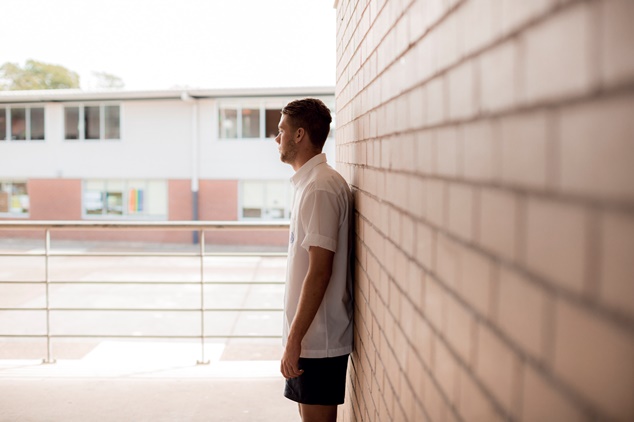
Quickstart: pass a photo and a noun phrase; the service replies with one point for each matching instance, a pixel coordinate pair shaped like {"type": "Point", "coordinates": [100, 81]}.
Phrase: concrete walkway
{"type": "Point", "coordinates": [140, 389]}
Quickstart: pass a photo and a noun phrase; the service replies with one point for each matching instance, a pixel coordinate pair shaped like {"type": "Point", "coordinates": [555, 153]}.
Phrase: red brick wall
{"type": "Point", "coordinates": [54, 199]}
{"type": "Point", "coordinates": [218, 200]}
{"type": "Point", "coordinates": [491, 148]}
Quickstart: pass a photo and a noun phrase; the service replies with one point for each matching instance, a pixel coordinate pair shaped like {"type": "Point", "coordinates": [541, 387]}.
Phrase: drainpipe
{"type": "Point", "coordinates": [195, 152]}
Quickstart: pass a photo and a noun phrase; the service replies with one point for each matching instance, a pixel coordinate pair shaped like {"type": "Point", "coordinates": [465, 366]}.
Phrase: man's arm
{"type": "Point", "coordinates": [315, 284]}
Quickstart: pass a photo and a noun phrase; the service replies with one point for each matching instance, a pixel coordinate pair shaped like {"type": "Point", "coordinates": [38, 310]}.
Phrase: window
{"type": "Point", "coordinates": [14, 198]}
{"type": "Point", "coordinates": [92, 122]}
{"type": "Point", "coordinates": [265, 200]}
{"type": "Point", "coordinates": [22, 123]}
{"type": "Point", "coordinates": [126, 199]}
{"type": "Point", "coordinates": [254, 119]}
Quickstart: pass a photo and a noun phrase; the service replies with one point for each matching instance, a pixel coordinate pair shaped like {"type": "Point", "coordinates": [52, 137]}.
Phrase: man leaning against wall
{"type": "Point", "coordinates": [318, 310]}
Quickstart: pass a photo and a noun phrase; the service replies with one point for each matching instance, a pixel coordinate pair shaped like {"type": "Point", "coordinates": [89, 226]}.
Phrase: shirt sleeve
{"type": "Point", "coordinates": [319, 216]}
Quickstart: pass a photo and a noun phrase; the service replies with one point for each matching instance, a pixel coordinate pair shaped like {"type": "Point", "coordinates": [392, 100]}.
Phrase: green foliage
{"type": "Point", "coordinates": [107, 80]}
{"type": "Point", "coordinates": [36, 75]}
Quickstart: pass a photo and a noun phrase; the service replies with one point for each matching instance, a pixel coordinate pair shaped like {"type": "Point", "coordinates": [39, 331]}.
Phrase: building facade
{"type": "Point", "coordinates": [152, 155]}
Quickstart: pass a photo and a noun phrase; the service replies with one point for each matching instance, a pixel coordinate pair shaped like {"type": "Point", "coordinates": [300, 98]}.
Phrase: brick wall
{"type": "Point", "coordinates": [490, 145]}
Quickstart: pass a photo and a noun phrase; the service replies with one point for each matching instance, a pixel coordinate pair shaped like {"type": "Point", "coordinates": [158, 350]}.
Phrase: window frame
{"type": "Point", "coordinates": [8, 136]}
{"type": "Point", "coordinates": [81, 125]}
{"type": "Point", "coordinates": [263, 104]}
{"type": "Point", "coordinates": [125, 197]}
{"type": "Point", "coordinates": [287, 208]}
{"type": "Point", "coordinates": [15, 214]}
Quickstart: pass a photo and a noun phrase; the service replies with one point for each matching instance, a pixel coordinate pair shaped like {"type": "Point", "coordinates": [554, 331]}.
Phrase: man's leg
{"type": "Point", "coordinates": [318, 413]}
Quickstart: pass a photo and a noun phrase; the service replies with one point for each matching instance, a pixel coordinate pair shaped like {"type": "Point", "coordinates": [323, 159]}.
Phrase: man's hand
{"type": "Point", "coordinates": [290, 359]}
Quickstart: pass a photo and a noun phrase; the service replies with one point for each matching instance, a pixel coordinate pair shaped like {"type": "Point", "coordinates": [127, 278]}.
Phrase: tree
{"type": "Point", "coordinates": [36, 75]}
{"type": "Point", "coordinates": [108, 80]}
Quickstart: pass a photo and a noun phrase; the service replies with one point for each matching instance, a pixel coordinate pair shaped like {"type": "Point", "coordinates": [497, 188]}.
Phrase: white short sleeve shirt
{"type": "Point", "coordinates": [321, 216]}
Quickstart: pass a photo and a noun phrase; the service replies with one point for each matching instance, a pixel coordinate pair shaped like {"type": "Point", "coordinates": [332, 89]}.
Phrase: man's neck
{"type": "Point", "coordinates": [302, 159]}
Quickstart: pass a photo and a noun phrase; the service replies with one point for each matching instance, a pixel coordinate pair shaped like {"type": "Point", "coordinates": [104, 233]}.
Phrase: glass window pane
{"type": "Point", "coordinates": [3, 124]}
{"type": "Point", "coordinates": [91, 121]}
{"type": "Point", "coordinates": [37, 123]}
{"type": "Point", "coordinates": [228, 123]}
{"type": "Point", "coordinates": [250, 123]}
{"type": "Point", "coordinates": [252, 194]}
{"type": "Point", "coordinates": [18, 124]}
{"type": "Point", "coordinates": [71, 123]}
{"type": "Point", "coordinates": [277, 199]}
{"type": "Point", "coordinates": [251, 212]}
{"type": "Point", "coordinates": [272, 120]}
{"type": "Point", "coordinates": [114, 203]}
{"type": "Point", "coordinates": [94, 197]}
{"type": "Point", "coordinates": [19, 199]}
{"type": "Point", "coordinates": [156, 199]}
{"type": "Point", "coordinates": [112, 123]}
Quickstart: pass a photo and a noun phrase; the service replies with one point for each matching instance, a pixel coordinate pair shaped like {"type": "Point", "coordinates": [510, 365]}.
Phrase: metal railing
{"type": "Point", "coordinates": [192, 226]}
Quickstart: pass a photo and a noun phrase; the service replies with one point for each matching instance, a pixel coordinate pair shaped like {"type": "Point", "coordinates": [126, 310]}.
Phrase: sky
{"type": "Point", "coordinates": [165, 44]}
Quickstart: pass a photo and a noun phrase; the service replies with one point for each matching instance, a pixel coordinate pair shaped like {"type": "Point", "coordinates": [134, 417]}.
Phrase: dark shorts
{"type": "Point", "coordinates": [323, 381]}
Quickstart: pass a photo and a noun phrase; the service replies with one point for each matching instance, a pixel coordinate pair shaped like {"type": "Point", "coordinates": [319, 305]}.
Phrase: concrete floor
{"type": "Point", "coordinates": [100, 379]}
{"type": "Point", "coordinates": [145, 381]}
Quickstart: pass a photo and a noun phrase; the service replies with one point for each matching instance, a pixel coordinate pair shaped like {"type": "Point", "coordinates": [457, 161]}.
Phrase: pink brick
{"type": "Point", "coordinates": [542, 402]}
{"type": "Point", "coordinates": [435, 202]}
{"type": "Point", "coordinates": [434, 304]}
{"type": "Point", "coordinates": [556, 242]}
{"type": "Point", "coordinates": [557, 58]}
{"type": "Point", "coordinates": [460, 329]}
{"type": "Point", "coordinates": [417, 109]}
{"type": "Point", "coordinates": [416, 196]}
{"type": "Point", "coordinates": [474, 405]}
{"type": "Point", "coordinates": [497, 367]}
{"type": "Point", "coordinates": [445, 370]}
{"type": "Point", "coordinates": [446, 34]}
{"type": "Point", "coordinates": [516, 14]}
{"type": "Point", "coordinates": [498, 218]}
{"type": "Point", "coordinates": [447, 152]}
{"type": "Point", "coordinates": [477, 15]}
{"type": "Point", "coordinates": [425, 156]}
{"type": "Point", "coordinates": [425, 244]}
{"type": "Point", "coordinates": [595, 358]}
{"type": "Point", "coordinates": [522, 312]}
{"type": "Point", "coordinates": [461, 87]}
{"type": "Point", "coordinates": [617, 262]}
{"type": "Point", "coordinates": [448, 261]}
{"type": "Point", "coordinates": [524, 140]}
{"type": "Point", "coordinates": [597, 151]}
{"type": "Point", "coordinates": [498, 78]}
{"type": "Point", "coordinates": [616, 42]}
{"type": "Point", "coordinates": [482, 154]}
{"type": "Point", "coordinates": [460, 210]}
{"type": "Point", "coordinates": [436, 101]}
{"type": "Point", "coordinates": [476, 281]}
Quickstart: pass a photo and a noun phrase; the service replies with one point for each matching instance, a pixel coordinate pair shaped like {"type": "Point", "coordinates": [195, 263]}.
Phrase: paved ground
{"type": "Point", "coordinates": [123, 379]}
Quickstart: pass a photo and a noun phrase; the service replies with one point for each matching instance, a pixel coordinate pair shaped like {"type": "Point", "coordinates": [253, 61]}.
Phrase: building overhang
{"type": "Point", "coordinates": [74, 95]}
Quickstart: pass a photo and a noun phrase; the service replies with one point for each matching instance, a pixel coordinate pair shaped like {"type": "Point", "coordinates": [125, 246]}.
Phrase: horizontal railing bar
{"type": "Point", "coordinates": [254, 336]}
{"type": "Point", "coordinates": [145, 254]}
{"type": "Point", "coordinates": [144, 309]}
{"type": "Point", "coordinates": [151, 283]}
{"type": "Point", "coordinates": [142, 225]}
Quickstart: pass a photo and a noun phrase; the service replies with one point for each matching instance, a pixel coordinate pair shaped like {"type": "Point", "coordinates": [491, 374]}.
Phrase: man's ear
{"type": "Point", "coordinates": [299, 134]}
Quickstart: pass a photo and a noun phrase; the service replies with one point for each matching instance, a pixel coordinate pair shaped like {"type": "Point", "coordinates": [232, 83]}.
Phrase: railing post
{"type": "Point", "coordinates": [47, 248]}
{"type": "Point", "coordinates": [202, 360]}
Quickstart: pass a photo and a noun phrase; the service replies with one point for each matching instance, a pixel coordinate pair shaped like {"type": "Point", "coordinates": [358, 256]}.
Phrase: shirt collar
{"type": "Point", "coordinates": [307, 168]}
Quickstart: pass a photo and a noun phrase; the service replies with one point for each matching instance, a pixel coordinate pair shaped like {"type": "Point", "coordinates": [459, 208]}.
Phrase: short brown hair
{"type": "Point", "coordinates": [312, 115]}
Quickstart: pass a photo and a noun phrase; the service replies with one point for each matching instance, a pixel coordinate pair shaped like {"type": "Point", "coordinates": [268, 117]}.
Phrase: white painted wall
{"type": "Point", "coordinates": [156, 144]}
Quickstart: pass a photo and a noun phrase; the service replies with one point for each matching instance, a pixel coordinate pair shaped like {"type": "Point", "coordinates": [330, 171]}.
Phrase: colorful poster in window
{"type": "Point", "coordinates": [135, 201]}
